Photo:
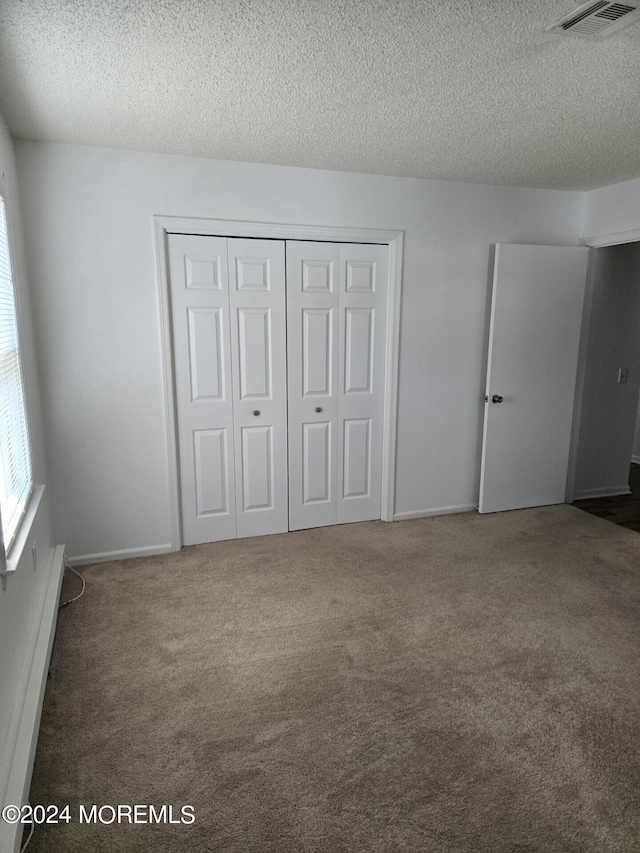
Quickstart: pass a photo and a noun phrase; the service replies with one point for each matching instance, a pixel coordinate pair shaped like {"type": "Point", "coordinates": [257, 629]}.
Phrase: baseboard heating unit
{"type": "Point", "coordinates": [25, 718]}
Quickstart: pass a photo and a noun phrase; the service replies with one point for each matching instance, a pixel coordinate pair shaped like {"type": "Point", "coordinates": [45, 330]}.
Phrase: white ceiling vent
{"type": "Point", "coordinates": [598, 19]}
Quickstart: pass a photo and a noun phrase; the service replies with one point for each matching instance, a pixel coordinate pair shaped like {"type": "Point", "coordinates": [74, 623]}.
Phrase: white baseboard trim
{"type": "Point", "coordinates": [605, 492]}
{"type": "Point", "coordinates": [126, 554]}
{"type": "Point", "coordinates": [25, 718]}
{"type": "Point", "coordinates": [427, 513]}
{"type": "Point", "coordinates": [635, 460]}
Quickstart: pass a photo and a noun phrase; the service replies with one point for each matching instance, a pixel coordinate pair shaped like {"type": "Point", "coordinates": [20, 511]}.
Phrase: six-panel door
{"type": "Point", "coordinates": [313, 288]}
{"type": "Point", "coordinates": [246, 468]}
{"type": "Point", "coordinates": [336, 301]}
{"type": "Point", "coordinates": [228, 311]}
{"type": "Point", "coordinates": [259, 365]}
{"type": "Point", "coordinates": [204, 396]}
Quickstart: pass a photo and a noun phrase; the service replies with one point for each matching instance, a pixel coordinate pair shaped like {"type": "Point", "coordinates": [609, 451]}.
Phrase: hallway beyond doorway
{"type": "Point", "coordinates": [621, 509]}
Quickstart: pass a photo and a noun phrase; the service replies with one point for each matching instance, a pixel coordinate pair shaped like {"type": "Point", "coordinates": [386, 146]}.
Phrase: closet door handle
{"type": "Point", "coordinates": [318, 408]}
{"type": "Point", "coordinates": [256, 412]}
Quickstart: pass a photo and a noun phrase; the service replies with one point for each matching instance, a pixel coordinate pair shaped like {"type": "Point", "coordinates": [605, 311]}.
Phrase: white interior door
{"type": "Point", "coordinates": [313, 273]}
{"type": "Point", "coordinates": [364, 272]}
{"type": "Point", "coordinates": [229, 331]}
{"type": "Point", "coordinates": [336, 303]}
{"type": "Point", "coordinates": [248, 468]}
{"type": "Point", "coordinates": [259, 371]}
{"type": "Point", "coordinates": [204, 400]}
{"type": "Point", "coordinates": [536, 317]}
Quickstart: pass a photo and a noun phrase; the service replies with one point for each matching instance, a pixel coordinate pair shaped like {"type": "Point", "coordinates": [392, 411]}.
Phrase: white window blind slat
{"type": "Point", "coordinates": [16, 479]}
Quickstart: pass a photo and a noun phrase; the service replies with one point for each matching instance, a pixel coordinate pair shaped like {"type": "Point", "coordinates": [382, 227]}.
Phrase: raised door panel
{"type": "Point", "coordinates": [254, 353]}
{"type": "Point", "coordinates": [363, 295]}
{"type": "Point", "coordinates": [360, 273]}
{"type": "Point", "coordinates": [358, 362]}
{"type": "Point", "coordinates": [317, 479]}
{"type": "Point", "coordinates": [211, 472]}
{"type": "Point", "coordinates": [357, 459]}
{"type": "Point", "coordinates": [206, 357]}
{"type": "Point", "coordinates": [202, 367]}
{"type": "Point", "coordinates": [258, 351]}
{"type": "Point", "coordinates": [312, 335]}
{"type": "Point", "coordinates": [317, 346]}
{"type": "Point", "coordinates": [257, 468]}
{"type": "Point", "coordinates": [206, 272]}
{"type": "Point", "coordinates": [252, 275]}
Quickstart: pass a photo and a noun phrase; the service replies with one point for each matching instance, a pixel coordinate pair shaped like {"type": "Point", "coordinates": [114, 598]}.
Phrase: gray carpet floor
{"type": "Point", "coordinates": [462, 684]}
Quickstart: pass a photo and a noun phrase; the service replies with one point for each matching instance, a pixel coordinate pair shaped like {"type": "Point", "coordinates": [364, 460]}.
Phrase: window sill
{"type": "Point", "coordinates": [22, 537]}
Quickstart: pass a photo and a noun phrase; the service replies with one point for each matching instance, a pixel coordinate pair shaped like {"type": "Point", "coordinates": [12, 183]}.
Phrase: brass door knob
{"type": "Point", "coordinates": [257, 411]}
{"type": "Point", "coordinates": [318, 408]}
{"type": "Point", "coordinates": [497, 398]}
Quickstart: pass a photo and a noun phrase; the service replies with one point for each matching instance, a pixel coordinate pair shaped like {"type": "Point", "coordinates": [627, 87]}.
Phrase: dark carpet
{"type": "Point", "coordinates": [462, 684]}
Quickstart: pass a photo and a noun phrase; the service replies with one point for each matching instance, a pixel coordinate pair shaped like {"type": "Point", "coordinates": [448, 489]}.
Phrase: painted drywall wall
{"type": "Point", "coordinates": [609, 409]}
{"type": "Point", "coordinates": [21, 602]}
{"type": "Point", "coordinates": [88, 215]}
{"type": "Point", "coordinates": [612, 210]}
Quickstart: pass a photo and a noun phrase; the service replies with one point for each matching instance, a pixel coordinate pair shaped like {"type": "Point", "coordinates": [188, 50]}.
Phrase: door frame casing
{"type": "Point", "coordinates": [597, 241]}
{"type": "Point", "coordinates": [165, 225]}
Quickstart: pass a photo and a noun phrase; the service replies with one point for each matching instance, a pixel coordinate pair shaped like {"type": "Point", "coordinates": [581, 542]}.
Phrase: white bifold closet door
{"type": "Point", "coordinates": [336, 305]}
{"type": "Point", "coordinates": [229, 331]}
{"type": "Point", "coordinates": [236, 327]}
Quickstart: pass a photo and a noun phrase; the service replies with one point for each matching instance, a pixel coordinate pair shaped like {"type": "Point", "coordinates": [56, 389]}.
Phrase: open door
{"type": "Point", "coordinates": [534, 337]}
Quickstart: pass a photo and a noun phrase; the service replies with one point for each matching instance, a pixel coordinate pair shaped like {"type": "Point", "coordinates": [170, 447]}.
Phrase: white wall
{"type": "Point", "coordinates": [609, 409]}
{"type": "Point", "coordinates": [21, 602]}
{"type": "Point", "coordinates": [88, 215]}
{"type": "Point", "coordinates": [613, 210]}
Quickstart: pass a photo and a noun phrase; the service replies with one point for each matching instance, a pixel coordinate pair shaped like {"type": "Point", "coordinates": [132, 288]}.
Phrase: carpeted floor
{"type": "Point", "coordinates": [462, 684]}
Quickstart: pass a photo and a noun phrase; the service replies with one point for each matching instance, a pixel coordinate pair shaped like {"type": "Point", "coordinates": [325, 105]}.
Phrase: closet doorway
{"type": "Point", "coordinates": [282, 359]}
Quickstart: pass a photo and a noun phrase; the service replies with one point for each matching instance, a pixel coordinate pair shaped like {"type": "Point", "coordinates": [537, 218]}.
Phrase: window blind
{"type": "Point", "coordinates": [16, 480]}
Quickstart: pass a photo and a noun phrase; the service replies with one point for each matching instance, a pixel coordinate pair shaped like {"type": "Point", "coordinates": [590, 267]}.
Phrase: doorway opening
{"type": "Point", "coordinates": [607, 429]}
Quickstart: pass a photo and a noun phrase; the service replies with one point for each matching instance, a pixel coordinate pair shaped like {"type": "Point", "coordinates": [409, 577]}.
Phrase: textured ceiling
{"type": "Point", "coordinates": [460, 90]}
